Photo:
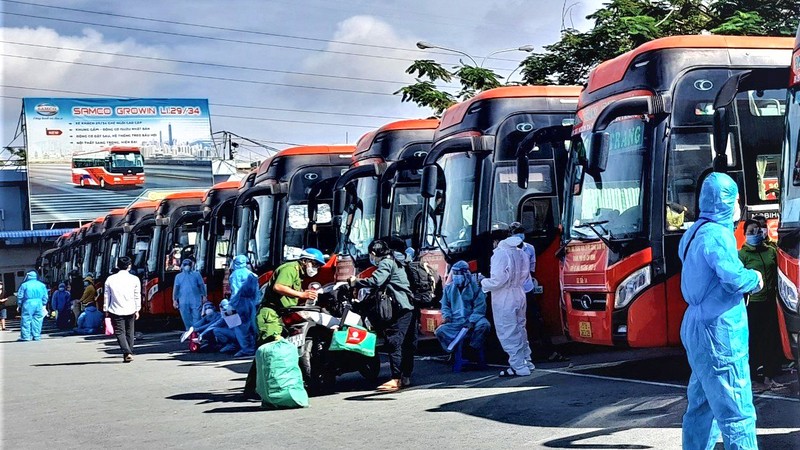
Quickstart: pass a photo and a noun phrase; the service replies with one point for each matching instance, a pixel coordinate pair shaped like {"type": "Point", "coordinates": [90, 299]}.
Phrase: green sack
{"type": "Point", "coordinates": [354, 339]}
{"type": "Point", "coordinates": [279, 380]}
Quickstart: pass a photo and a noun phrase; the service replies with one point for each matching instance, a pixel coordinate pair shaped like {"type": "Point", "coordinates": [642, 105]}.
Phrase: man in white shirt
{"type": "Point", "coordinates": [122, 302]}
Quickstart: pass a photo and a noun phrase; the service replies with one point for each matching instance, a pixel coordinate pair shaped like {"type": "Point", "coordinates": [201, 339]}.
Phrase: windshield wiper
{"type": "Point", "coordinates": [591, 225]}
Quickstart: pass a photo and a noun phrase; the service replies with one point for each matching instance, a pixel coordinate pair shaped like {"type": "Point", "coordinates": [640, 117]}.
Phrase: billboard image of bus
{"type": "Point", "coordinates": [108, 167]}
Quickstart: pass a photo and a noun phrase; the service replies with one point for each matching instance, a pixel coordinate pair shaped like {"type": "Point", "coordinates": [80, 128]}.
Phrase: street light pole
{"type": "Point", "coordinates": [422, 45]}
{"type": "Point", "coordinates": [524, 48]}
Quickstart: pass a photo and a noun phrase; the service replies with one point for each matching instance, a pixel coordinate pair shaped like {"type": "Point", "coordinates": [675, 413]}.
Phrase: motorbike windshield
{"type": "Point", "coordinates": [459, 205]}
{"type": "Point", "coordinates": [361, 231]}
{"type": "Point", "coordinates": [614, 196]}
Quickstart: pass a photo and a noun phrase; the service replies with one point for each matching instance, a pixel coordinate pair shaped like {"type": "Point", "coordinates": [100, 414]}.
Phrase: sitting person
{"type": "Point", "coordinates": [222, 334]}
{"type": "Point", "coordinates": [208, 317]}
{"type": "Point", "coordinates": [90, 321]}
{"type": "Point", "coordinates": [463, 306]}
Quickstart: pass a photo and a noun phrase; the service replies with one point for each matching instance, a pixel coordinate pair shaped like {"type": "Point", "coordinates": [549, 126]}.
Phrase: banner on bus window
{"type": "Point", "coordinates": [89, 156]}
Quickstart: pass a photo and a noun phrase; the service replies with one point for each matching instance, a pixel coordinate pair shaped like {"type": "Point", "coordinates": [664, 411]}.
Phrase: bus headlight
{"type": "Point", "coordinates": [787, 291]}
{"type": "Point", "coordinates": [631, 286]}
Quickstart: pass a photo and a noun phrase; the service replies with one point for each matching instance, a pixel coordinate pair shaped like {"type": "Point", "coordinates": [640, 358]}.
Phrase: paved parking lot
{"type": "Point", "coordinates": [73, 392]}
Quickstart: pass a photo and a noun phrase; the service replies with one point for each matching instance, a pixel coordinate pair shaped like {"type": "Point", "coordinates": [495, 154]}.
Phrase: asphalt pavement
{"type": "Point", "coordinates": [74, 392]}
{"type": "Point", "coordinates": [55, 199]}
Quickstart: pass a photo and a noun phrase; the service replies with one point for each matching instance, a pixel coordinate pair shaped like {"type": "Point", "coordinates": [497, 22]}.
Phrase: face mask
{"type": "Point", "coordinates": [754, 239]}
{"type": "Point", "coordinates": [85, 284]}
{"type": "Point", "coordinates": [459, 280]}
{"type": "Point", "coordinates": [61, 289]}
{"type": "Point", "coordinates": [520, 235]}
{"type": "Point", "coordinates": [373, 261]}
{"type": "Point", "coordinates": [185, 268]}
{"type": "Point", "coordinates": [311, 271]}
{"type": "Point", "coordinates": [737, 212]}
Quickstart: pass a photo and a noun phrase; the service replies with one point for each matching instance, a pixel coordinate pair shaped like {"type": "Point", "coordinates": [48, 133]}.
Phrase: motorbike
{"type": "Point", "coordinates": [310, 328]}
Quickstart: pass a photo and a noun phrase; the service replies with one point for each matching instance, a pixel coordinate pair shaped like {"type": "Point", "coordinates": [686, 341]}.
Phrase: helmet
{"type": "Point", "coordinates": [378, 248]}
{"type": "Point", "coordinates": [312, 254]}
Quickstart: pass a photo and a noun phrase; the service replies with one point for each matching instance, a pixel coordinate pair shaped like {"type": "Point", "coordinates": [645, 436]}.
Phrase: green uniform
{"type": "Point", "coordinates": [764, 259]}
{"type": "Point", "coordinates": [268, 321]}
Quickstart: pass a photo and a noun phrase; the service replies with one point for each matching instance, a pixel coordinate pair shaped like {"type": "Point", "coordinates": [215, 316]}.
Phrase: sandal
{"type": "Point", "coordinates": [392, 385]}
{"type": "Point", "coordinates": [508, 372]}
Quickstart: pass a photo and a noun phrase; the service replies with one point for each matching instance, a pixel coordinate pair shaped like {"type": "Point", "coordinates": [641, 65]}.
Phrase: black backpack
{"type": "Point", "coordinates": [422, 282]}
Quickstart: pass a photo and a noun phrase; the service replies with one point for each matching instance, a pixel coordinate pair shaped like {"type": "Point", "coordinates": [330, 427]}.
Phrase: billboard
{"type": "Point", "coordinates": [88, 156]}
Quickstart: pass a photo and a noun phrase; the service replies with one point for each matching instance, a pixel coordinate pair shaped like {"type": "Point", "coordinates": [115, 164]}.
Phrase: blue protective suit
{"type": "Point", "coordinates": [31, 298]}
{"type": "Point", "coordinates": [189, 291]}
{"type": "Point", "coordinates": [463, 305]}
{"type": "Point", "coordinates": [62, 304]}
{"type": "Point", "coordinates": [714, 329]}
{"type": "Point", "coordinates": [244, 297]}
{"type": "Point", "coordinates": [89, 321]}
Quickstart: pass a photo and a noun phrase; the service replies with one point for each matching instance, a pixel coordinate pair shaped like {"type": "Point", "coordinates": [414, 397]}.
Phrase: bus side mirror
{"type": "Point", "coordinates": [523, 170]}
{"type": "Point", "coordinates": [720, 136]}
{"type": "Point", "coordinates": [598, 156]}
{"type": "Point", "coordinates": [339, 199]}
{"type": "Point", "coordinates": [237, 216]}
{"type": "Point", "coordinates": [429, 181]}
{"type": "Point", "coordinates": [386, 194]}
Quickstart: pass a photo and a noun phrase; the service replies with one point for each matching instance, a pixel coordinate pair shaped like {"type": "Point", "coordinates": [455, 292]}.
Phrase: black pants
{"type": "Point", "coordinates": [536, 328]}
{"type": "Point", "coordinates": [123, 330]}
{"type": "Point", "coordinates": [765, 343]}
{"type": "Point", "coordinates": [401, 343]}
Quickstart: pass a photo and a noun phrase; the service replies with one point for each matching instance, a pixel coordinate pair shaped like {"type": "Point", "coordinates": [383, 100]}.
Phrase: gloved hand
{"type": "Point", "coordinates": [175, 304]}
{"type": "Point", "coordinates": [760, 283]}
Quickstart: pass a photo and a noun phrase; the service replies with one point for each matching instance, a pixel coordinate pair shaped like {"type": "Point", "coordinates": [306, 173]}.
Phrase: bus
{"type": "Point", "coordinates": [110, 239]}
{"type": "Point", "coordinates": [378, 196]}
{"type": "Point", "coordinates": [108, 167]}
{"type": "Point", "coordinates": [470, 178]}
{"type": "Point", "coordinates": [789, 230]}
{"type": "Point", "coordinates": [289, 207]}
{"type": "Point", "coordinates": [174, 238]}
{"type": "Point", "coordinates": [215, 236]}
{"type": "Point", "coordinates": [644, 140]}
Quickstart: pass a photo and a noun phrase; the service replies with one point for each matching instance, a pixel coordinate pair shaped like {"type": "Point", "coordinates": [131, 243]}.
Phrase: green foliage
{"type": "Point", "coordinates": [619, 26]}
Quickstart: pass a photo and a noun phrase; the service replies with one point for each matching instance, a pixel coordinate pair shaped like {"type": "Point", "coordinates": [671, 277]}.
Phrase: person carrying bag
{"type": "Point", "coordinates": [391, 291]}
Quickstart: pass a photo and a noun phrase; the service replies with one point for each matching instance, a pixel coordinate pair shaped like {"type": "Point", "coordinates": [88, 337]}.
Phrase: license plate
{"type": "Point", "coordinates": [585, 329]}
{"type": "Point", "coordinates": [297, 340]}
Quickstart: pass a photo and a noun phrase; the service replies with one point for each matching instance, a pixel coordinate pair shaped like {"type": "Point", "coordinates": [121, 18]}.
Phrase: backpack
{"type": "Point", "coordinates": [422, 282]}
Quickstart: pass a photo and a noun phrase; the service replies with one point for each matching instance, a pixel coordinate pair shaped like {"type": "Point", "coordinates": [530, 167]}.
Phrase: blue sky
{"type": "Point", "coordinates": [245, 56]}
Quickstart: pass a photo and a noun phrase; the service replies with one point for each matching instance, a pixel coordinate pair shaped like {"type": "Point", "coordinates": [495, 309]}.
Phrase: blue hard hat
{"type": "Point", "coordinates": [314, 255]}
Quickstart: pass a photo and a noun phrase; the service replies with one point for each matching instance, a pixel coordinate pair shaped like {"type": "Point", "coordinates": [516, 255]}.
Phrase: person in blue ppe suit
{"type": "Point", "coordinates": [61, 303]}
{"type": "Point", "coordinates": [714, 329]}
{"type": "Point", "coordinates": [223, 335]}
{"type": "Point", "coordinates": [188, 293]}
{"type": "Point", "coordinates": [90, 320]}
{"type": "Point", "coordinates": [244, 297]}
{"type": "Point", "coordinates": [208, 317]}
{"type": "Point", "coordinates": [463, 306]}
{"type": "Point", "coordinates": [31, 298]}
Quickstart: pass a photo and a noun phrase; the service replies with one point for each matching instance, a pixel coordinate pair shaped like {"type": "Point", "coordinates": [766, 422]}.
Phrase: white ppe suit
{"type": "Point", "coordinates": [510, 271]}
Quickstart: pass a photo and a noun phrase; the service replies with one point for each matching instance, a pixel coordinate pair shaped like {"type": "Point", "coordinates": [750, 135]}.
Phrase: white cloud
{"type": "Point", "coordinates": [41, 71]}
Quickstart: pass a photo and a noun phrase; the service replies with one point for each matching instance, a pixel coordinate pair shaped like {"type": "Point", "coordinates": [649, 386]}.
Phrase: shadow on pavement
{"type": "Point", "coordinates": [84, 363]}
{"type": "Point", "coordinates": [573, 441]}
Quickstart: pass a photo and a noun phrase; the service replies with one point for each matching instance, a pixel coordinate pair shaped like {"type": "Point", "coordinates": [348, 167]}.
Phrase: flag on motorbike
{"type": "Point", "coordinates": [354, 339]}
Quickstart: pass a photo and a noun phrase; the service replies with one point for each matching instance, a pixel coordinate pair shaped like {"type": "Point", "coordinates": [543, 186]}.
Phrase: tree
{"type": "Point", "coordinates": [619, 26]}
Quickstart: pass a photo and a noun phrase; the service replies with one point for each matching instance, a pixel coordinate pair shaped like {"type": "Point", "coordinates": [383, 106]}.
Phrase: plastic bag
{"type": "Point", "coordinates": [279, 381]}
{"type": "Point", "coordinates": [354, 339]}
{"type": "Point", "coordinates": [109, 326]}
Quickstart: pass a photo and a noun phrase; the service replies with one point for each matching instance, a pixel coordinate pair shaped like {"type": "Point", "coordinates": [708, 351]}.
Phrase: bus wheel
{"type": "Point", "coordinates": [102, 182]}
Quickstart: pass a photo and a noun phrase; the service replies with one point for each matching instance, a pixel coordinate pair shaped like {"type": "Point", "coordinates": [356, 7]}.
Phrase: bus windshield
{"type": "Point", "coordinates": [260, 240]}
{"type": "Point", "coordinates": [362, 228]}
{"type": "Point", "coordinates": [459, 174]}
{"type": "Point", "coordinates": [615, 197]}
{"type": "Point", "coordinates": [790, 194]}
{"type": "Point", "coordinates": [407, 204]}
{"type": "Point", "coordinates": [128, 159]}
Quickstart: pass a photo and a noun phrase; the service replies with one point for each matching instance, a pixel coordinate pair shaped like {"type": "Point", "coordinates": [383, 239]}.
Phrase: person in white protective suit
{"type": "Point", "coordinates": [510, 272]}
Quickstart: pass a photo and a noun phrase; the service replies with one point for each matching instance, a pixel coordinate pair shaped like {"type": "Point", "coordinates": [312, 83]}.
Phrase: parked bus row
{"type": "Point", "coordinates": [603, 178]}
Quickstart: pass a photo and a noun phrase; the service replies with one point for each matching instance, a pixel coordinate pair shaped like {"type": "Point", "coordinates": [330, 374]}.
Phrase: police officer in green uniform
{"type": "Point", "coordinates": [283, 290]}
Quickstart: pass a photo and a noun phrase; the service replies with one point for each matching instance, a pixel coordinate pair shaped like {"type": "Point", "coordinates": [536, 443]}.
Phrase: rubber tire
{"type": "Point", "coordinates": [319, 377]}
{"type": "Point", "coordinates": [371, 370]}
{"type": "Point", "coordinates": [102, 183]}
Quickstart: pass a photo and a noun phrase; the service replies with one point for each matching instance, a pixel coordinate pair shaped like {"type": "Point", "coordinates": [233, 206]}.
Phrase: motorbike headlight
{"type": "Point", "coordinates": [787, 291]}
{"type": "Point", "coordinates": [631, 286]}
